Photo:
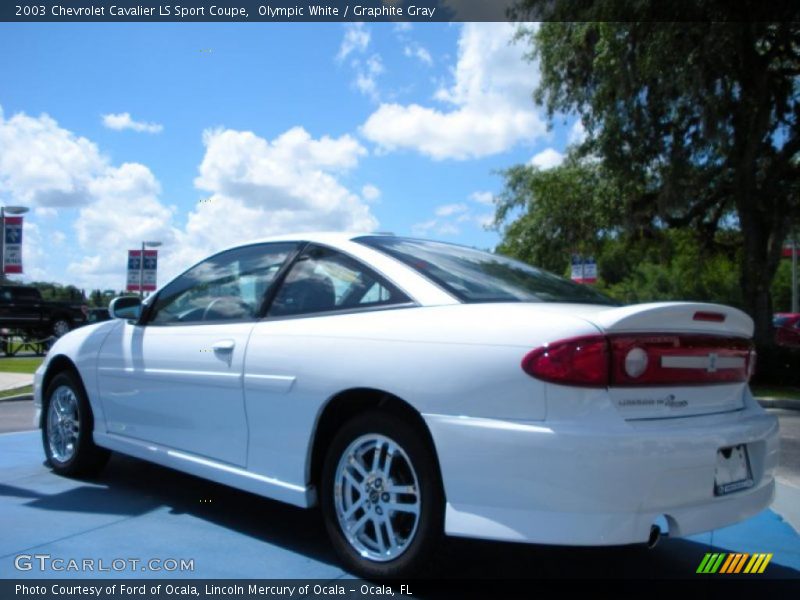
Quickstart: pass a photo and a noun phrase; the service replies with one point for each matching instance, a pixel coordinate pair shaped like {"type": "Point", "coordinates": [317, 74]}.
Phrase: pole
{"type": "Point", "coordinates": [794, 274]}
{"type": "Point", "coordinates": [141, 273]}
{"type": "Point", "coordinates": [3, 243]}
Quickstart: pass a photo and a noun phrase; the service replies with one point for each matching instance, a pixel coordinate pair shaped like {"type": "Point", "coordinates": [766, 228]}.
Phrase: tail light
{"type": "Point", "coordinates": [578, 361]}
{"type": "Point", "coordinates": [642, 360]}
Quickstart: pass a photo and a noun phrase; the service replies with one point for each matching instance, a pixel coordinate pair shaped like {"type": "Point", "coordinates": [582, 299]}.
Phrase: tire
{"type": "Point", "coordinates": [60, 327]}
{"type": "Point", "coordinates": [67, 429]}
{"type": "Point", "coordinates": [344, 505]}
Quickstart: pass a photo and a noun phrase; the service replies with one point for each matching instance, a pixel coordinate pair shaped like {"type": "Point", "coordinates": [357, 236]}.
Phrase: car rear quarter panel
{"type": "Point", "coordinates": [461, 360]}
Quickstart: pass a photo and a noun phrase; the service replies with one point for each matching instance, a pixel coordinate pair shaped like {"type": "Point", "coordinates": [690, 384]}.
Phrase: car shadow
{"type": "Point", "coordinates": [131, 487]}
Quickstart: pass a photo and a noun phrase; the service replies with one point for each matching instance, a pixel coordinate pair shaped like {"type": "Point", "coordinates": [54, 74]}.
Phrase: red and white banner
{"type": "Point", "coordinates": [584, 269]}
{"type": "Point", "coordinates": [12, 254]}
{"type": "Point", "coordinates": [147, 272]}
{"type": "Point", "coordinates": [787, 251]}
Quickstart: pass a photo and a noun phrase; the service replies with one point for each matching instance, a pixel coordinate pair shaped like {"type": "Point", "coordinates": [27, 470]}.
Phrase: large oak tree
{"type": "Point", "coordinates": [701, 118]}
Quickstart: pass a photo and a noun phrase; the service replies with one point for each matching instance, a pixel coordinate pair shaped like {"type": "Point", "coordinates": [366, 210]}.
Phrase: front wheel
{"type": "Point", "coordinates": [382, 496]}
{"type": "Point", "coordinates": [67, 429]}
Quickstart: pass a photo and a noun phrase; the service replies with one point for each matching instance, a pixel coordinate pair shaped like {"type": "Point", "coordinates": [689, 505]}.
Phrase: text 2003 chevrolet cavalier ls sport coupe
{"type": "Point", "coordinates": [412, 388]}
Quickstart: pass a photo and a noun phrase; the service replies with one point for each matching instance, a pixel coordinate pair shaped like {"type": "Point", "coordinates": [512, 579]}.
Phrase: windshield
{"type": "Point", "coordinates": [475, 276]}
{"type": "Point", "coordinates": [780, 321]}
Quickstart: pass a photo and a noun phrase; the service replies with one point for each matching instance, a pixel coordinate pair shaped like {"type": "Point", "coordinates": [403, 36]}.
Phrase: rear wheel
{"type": "Point", "coordinates": [67, 430]}
{"type": "Point", "coordinates": [60, 327]}
{"type": "Point", "coordinates": [381, 496]}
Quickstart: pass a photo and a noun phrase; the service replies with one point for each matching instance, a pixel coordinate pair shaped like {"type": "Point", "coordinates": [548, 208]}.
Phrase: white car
{"type": "Point", "coordinates": [412, 387]}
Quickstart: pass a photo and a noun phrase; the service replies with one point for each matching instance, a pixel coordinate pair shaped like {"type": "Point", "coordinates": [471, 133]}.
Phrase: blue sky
{"type": "Point", "coordinates": [205, 135]}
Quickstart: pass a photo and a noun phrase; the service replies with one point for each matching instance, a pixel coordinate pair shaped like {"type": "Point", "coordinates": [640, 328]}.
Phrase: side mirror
{"type": "Point", "coordinates": [126, 307]}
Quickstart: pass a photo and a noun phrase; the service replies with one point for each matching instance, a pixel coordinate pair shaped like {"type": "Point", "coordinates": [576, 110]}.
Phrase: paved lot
{"type": "Point", "coordinates": [789, 470]}
{"type": "Point", "coordinates": [142, 511]}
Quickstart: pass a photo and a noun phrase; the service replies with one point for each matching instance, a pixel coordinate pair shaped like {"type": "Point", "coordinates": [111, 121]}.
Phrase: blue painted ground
{"type": "Point", "coordinates": [140, 511]}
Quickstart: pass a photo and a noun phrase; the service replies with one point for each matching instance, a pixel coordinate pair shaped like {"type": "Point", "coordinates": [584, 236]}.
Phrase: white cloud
{"type": "Point", "coordinates": [356, 42]}
{"type": "Point", "coordinates": [577, 133]}
{"type": "Point", "coordinates": [367, 73]}
{"type": "Point", "coordinates": [486, 198]}
{"type": "Point", "coordinates": [122, 121]}
{"type": "Point", "coordinates": [356, 39]}
{"type": "Point", "coordinates": [254, 187]}
{"type": "Point", "coordinates": [547, 159]}
{"type": "Point", "coordinates": [419, 52]}
{"type": "Point", "coordinates": [45, 212]}
{"type": "Point", "coordinates": [42, 164]}
{"type": "Point", "coordinates": [423, 227]}
{"type": "Point", "coordinates": [448, 210]}
{"type": "Point", "coordinates": [257, 187]}
{"type": "Point", "coordinates": [489, 106]}
{"type": "Point", "coordinates": [448, 218]}
{"type": "Point", "coordinates": [485, 220]}
{"type": "Point", "coordinates": [370, 193]}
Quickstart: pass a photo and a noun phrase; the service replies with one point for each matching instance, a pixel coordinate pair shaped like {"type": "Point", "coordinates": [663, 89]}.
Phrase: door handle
{"type": "Point", "coordinates": [224, 346]}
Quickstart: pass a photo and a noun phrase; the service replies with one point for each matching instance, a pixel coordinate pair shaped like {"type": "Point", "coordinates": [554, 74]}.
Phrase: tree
{"type": "Point", "coordinates": [570, 208]}
{"type": "Point", "coordinates": [702, 119]}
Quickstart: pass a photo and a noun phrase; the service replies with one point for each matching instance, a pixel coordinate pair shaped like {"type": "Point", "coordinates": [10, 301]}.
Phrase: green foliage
{"type": "Point", "coordinates": [55, 292]}
{"type": "Point", "coordinates": [675, 267]}
{"type": "Point", "coordinates": [567, 209]}
{"type": "Point", "coordinates": [782, 287]}
{"type": "Point", "coordinates": [701, 120]}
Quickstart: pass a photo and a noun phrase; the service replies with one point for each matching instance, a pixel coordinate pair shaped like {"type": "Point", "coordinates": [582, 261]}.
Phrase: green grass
{"type": "Point", "coordinates": [774, 391]}
{"type": "Point", "coordinates": [28, 389]}
{"type": "Point", "coordinates": [20, 365]}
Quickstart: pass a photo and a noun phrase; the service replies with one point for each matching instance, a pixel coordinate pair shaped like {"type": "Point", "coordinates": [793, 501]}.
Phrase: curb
{"type": "Point", "coordinates": [785, 403]}
{"type": "Point", "coordinates": [27, 396]}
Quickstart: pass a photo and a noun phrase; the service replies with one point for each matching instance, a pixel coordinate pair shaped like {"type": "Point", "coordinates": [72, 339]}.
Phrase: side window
{"type": "Point", "coordinates": [226, 287]}
{"type": "Point", "coordinates": [323, 280]}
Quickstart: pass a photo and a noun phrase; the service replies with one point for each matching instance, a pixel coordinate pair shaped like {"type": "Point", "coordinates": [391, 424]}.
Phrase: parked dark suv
{"type": "Point", "coordinates": [23, 310]}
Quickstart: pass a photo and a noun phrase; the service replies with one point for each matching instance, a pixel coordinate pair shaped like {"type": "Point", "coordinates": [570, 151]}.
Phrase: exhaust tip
{"type": "Point", "coordinates": [655, 537]}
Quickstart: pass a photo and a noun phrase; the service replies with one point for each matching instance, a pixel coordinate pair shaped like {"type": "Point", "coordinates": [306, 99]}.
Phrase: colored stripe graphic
{"type": "Point", "coordinates": [741, 562]}
{"type": "Point", "coordinates": [714, 562]}
{"type": "Point", "coordinates": [729, 562]}
{"type": "Point", "coordinates": [701, 568]}
{"type": "Point", "coordinates": [765, 563]}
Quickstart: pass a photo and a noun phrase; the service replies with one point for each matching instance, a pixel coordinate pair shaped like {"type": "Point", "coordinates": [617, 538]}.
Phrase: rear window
{"type": "Point", "coordinates": [475, 276]}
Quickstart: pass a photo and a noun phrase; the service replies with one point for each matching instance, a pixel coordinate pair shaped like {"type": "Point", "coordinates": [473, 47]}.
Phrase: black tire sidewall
{"type": "Point", "coordinates": [87, 456]}
{"type": "Point", "coordinates": [422, 457]}
{"type": "Point", "coordinates": [56, 322]}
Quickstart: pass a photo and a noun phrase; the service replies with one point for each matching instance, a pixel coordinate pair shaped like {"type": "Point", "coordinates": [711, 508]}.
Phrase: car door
{"type": "Point", "coordinates": [288, 376]}
{"type": "Point", "coordinates": [175, 377]}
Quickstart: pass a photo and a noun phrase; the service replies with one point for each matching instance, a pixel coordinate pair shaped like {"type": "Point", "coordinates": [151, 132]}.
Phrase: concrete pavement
{"type": "Point", "coordinates": [136, 510]}
{"type": "Point", "coordinates": [12, 381]}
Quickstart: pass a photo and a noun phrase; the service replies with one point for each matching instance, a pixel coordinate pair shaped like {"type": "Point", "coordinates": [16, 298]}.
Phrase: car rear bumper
{"type": "Point", "coordinates": [585, 484]}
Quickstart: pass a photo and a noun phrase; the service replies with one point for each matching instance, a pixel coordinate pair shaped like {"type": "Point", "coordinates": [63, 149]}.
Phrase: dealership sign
{"type": "Point", "coordinates": [12, 256]}
{"type": "Point", "coordinates": [147, 272]}
{"type": "Point", "coordinates": [584, 269]}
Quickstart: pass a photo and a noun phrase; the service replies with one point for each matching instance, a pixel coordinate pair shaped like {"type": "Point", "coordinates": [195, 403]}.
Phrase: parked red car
{"type": "Point", "coordinates": [787, 329]}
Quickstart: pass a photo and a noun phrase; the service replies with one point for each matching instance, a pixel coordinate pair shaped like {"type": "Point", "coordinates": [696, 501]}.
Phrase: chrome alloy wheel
{"type": "Point", "coordinates": [63, 424]}
{"type": "Point", "coordinates": [377, 497]}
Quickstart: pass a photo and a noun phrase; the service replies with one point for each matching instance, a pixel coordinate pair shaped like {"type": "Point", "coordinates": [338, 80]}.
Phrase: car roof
{"type": "Point", "coordinates": [333, 238]}
{"type": "Point", "coordinates": [321, 237]}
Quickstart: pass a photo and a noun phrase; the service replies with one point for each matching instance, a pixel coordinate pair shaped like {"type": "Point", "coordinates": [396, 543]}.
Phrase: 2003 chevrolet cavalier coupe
{"type": "Point", "coordinates": [412, 388]}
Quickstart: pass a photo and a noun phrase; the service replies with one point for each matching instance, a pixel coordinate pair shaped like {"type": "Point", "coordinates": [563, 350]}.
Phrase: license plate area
{"type": "Point", "coordinates": [732, 472]}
